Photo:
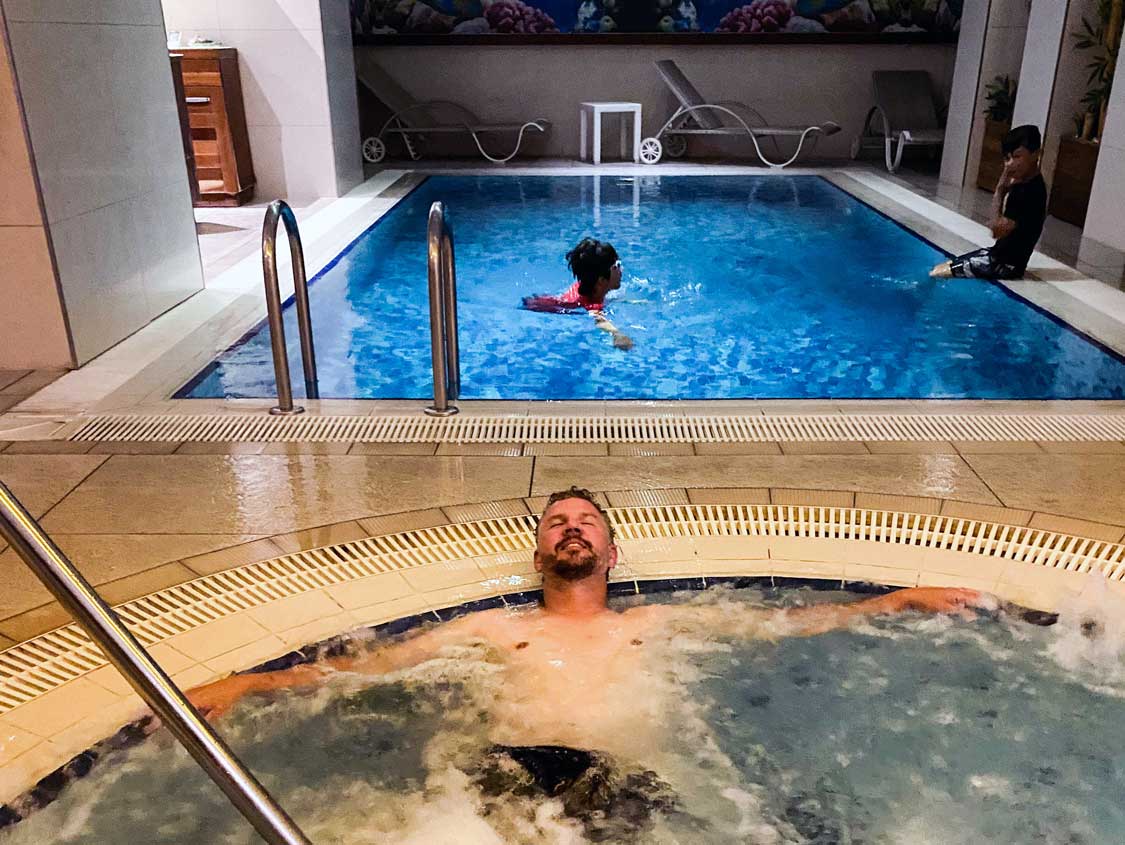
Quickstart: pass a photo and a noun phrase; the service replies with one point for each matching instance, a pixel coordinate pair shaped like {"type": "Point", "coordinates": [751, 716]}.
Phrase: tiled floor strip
{"type": "Point", "coordinates": [617, 429]}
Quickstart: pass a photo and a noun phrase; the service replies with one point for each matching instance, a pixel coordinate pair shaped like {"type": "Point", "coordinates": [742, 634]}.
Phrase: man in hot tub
{"type": "Point", "coordinates": [597, 271]}
{"type": "Point", "coordinates": [586, 708]}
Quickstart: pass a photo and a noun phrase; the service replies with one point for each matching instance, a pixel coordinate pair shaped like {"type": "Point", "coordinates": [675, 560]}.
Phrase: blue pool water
{"type": "Point", "coordinates": [734, 287]}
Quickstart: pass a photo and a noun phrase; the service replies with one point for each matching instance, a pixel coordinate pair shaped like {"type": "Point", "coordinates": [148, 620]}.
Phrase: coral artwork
{"type": "Point", "coordinates": [759, 16]}
{"type": "Point", "coordinates": [517, 16]}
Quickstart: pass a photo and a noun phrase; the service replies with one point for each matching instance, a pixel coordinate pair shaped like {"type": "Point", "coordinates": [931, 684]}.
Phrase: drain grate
{"type": "Point", "coordinates": [36, 667]}
{"type": "Point", "coordinates": [575, 429]}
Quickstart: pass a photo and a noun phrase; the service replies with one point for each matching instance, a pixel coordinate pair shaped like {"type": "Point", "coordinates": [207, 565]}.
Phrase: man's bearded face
{"type": "Point", "coordinates": [573, 558]}
{"type": "Point", "coordinates": [573, 541]}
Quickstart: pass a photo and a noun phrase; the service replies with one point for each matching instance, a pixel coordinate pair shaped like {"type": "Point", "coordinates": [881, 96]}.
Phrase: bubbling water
{"type": "Point", "coordinates": [906, 730]}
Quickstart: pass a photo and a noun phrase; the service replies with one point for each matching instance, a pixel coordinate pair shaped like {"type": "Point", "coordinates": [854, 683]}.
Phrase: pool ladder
{"type": "Point", "coordinates": [151, 682]}
{"type": "Point", "coordinates": [279, 210]}
{"type": "Point", "coordinates": [444, 351]}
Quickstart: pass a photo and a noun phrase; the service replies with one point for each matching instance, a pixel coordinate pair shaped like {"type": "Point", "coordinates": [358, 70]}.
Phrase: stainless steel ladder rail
{"type": "Point", "coordinates": [280, 210]}
{"type": "Point", "coordinates": [445, 353]}
{"type": "Point", "coordinates": [105, 628]}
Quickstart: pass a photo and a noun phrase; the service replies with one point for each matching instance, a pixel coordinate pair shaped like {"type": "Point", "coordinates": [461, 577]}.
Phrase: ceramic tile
{"type": "Point", "coordinates": [32, 328]}
{"type": "Point", "coordinates": [1085, 486]}
{"type": "Point", "coordinates": [32, 623]}
{"type": "Point", "coordinates": [454, 573]}
{"type": "Point", "coordinates": [951, 563]}
{"type": "Point", "coordinates": [651, 570]}
{"type": "Point", "coordinates": [194, 676]}
{"type": "Point", "coordinates": [60, 708]}
{"type": "Point", "coordinates": [136, 12]}
{"type": "Point", "coordinates": [1038, 587]}
{"type": "Point", "coordinates": [939, 579]}
{"type": "Point", "coordinates": [221, 448]}
{"type": "Point", "coordinates": [921, 447]}
{"type": "Point", "coordinates": [1078, 527]}
{"type": "Point", "coordinates": [283, 80]}
{"type": "Point", "coordinates": [891, 502]}
{"type": "Point", "coordinates": [737, 448]}
{"type": "Point", "coordinates": [647, 498]}
{"type": "Point", "coordinates": [6, 643]}
{"type": "Point", "coordinates": [996, 447]}
{"type": "Point", "coordinates": [237, 554]}
{"type": "Point", "coordinates": [267, 494]}
{"type": "Point", "coordinates": [823, 448]}
{"type": "Point", "coordinates": [452, 596]}
{"type": "Point", "coordinates": [33, 381]}
{"type": "Point", "coordinates": [732, 548]}
{"type": "Point", "coordinates": [372, 590]}
{"type": "Point", "coordinates": [649, 550]}
{"type": "Point", "coordinates": [786, 568]}
{"type": "Point", "coordinates": [388, 611]}
{"type": "Point", "coordinates": [1104, 447]}
{"type": "Point", "coordinates": [881, 575]}
{"type": "Point", "coordinates": [315, 538]}
{"type": "Point", "coordinates": [985, 513]}
{"type": "Point", "coordinates": [9, 377]}
{"type": "Point", "coordinates": [408, 521]}
{"type": "Point", "coordinates": [214, 638]}
{"type": "Point", "coordinates": [729, 496]}
{"type": "Point", "coordinates": [648, 450]}
{"type": "Point", "coordinates": [166, 657]}
{"type": "Point", "coordinates": [134, 447]}
{"type": "Point", "coordinates": [509, 450]}
{"type": "Point", "coordinates": [812, 498]}
{"type": "Point", "coordinates": [248, 656]}
{"type": "Point", "coordinates": [144, 583]}
{"type": "Point", "coordinates": [294, 611]}
{"type": "Point", "coordinates": [48, 447]}
{"type": "Point", "coordinates": [20, 774]}
{"type": "Point", "coordinates": [318, 630]}
{"type": "Point", "coordinates": [306, 449]}
{"type": "Point", "coordinates": [393, 449]}
{"type": "Point", "coordinates": [936, 476]}
{"type": "Point", "coordinates": [568, 449]}
{"type": "Point", "coordinates": [485, 510]}
{"type": "Point", "coordinates": [41, 481]}
{"type": "Point", "coordinates": [14, 742]}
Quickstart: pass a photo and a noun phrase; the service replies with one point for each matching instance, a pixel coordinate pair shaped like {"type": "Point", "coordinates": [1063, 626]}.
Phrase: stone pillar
{"type": "Point", "coordinates": [1103, 218]}
{"type": "Point", "coordinates": [1045, 31]}
{"type": "Point", "coordinates": [963, 95]}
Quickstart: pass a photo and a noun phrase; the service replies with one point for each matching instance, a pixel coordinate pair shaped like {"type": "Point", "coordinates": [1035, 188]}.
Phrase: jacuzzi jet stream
{"type": "Point", "coordinates": [105, 628]}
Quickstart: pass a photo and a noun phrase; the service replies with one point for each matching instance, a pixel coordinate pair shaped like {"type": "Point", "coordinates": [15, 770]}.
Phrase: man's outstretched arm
{"type": "Point", "coordinates": [819, 618]}
{"type": "Point", "coordinates": [215, 698]}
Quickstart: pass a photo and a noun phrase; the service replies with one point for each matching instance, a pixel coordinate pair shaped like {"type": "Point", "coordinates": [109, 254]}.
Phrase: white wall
{"type": "Point", "coordinates": [1039, 66]}
{"type": "Point", "coordinates": [101, 114]}
{"type": "Point", "coordinates": [1003, 55]}
{"type": "Point", "coordinates": [963, 93]}
{"type": "Point", "coordinates": [1103, 218]}
{"type": "Point", "coordinates": [32, 326]}
{"type": "Point", "coordinates": [787, 84]}
{"type": "Point", "coordinates": [295, 61]}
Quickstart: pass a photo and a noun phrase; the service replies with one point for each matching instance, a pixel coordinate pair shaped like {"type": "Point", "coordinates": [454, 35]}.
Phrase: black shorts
{"type": "Point", "coordinates": [981, 264]}
{"type": "Point", "coordinates": [613, 804]}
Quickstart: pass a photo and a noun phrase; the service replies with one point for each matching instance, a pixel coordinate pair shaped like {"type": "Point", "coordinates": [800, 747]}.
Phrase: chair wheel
{"type": "Point", "coordinates": [675, 146]}
{"type": "Point", "coordinates": [374, 150]}
{"type": "Point", "coordinates": [856, 144]}
{"type": "Point", "coordinates": [651, 151]}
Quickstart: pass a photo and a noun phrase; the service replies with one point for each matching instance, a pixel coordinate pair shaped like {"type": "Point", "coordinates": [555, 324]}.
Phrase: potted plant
{"type": "Point", "coordinates": [1000, 101]}
{"type": "Point", "coordinates": [1078, 154]}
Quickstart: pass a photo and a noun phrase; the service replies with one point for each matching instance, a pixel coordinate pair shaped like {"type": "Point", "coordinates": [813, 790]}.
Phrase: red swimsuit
{"type": "Point", "coordinates": [568, 300]}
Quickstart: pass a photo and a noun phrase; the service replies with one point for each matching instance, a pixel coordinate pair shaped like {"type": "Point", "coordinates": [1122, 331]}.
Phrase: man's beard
{"type": "Point", "coordinates": [572, 567]}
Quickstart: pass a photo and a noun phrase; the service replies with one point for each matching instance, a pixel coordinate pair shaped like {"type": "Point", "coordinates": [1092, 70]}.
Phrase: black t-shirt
{"type": "Point", "coordinates": [1026, 204]}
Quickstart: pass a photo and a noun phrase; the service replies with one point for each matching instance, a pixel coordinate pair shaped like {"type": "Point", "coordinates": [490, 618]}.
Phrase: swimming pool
{"type": "Point", "coordinates": [734, 287]}
{"type": "Point", "coordinates": [901, 730]}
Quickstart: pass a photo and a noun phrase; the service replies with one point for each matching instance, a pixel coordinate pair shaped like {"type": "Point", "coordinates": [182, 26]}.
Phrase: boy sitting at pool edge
{"type": "Point", "coordinates": [1019, 207]}
{"type": "Point", "coordinates": [597, 271]}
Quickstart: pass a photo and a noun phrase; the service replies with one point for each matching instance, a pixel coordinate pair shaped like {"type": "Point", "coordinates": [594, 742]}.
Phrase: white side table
{"type": "Point", "coordinates": [596, 110]}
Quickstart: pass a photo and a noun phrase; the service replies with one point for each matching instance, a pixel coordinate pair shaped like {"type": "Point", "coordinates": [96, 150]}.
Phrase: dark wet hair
{"type": "Point", "coordinates": [589, 261]}
{"type": "Point", "coordinates": [1026, 136]}
{"type": "Point", "coordinates": [586, 495]}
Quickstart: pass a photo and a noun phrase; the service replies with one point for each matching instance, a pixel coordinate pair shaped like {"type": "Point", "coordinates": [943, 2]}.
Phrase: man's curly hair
{"type": "Point", "coordinates": [581, 493]}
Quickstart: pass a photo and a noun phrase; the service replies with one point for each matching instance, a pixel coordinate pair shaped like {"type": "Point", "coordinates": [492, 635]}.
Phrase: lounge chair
{"type": "Point", "coordinates": [903, 116]}
{"type": "Point", "coordinates": [412, 120]}
{"type": "Point", "coordinates": [696, 116]}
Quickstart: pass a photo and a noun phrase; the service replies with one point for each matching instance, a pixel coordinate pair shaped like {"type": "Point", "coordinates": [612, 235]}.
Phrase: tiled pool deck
{"type": "Point", "coordinates": [143, 516]}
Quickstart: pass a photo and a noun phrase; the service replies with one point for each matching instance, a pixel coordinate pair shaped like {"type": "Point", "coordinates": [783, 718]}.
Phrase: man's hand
{"type": "Point", "coordinates": [1004, 184]}
{"type": "Point", "coordinates": [214, 699]}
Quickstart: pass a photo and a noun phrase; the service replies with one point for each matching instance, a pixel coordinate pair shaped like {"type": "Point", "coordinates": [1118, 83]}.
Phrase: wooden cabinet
{"type": "Point", "coordinates": [217, 124]}
{"type": "Point", "coordinates": [1073, 180]}
{"type": "Point", "coordinates": [991, 154]}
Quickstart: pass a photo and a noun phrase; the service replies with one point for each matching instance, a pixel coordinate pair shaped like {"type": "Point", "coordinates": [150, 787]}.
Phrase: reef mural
{"type": "Point", "coordinates": [547, 17]}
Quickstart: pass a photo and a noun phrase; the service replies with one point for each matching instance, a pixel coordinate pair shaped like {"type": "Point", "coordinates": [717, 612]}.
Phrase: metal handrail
{"type": "Point", "coordinates": [105, 628]}
{"type": "Point", "coordinates": [445, 353]}
{"type": "Point", "coordinates": [280, 210]}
